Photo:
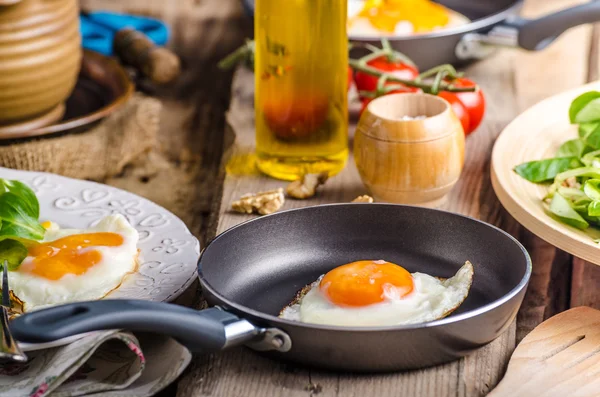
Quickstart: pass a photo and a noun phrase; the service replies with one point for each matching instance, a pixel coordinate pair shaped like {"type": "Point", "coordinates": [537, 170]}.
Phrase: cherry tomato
{"type": "Point", "coordinates": [459, 110]}
{"type": "Point", "coordinates": [366, 82]}
{"type": "Point", "coordinates": [473, 102]}
{"type": "Point", "coordinates": [296, 116]}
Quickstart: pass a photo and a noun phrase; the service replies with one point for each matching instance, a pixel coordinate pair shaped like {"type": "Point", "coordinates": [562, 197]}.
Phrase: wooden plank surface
{"type": "Point", "coordinates": [513, 81]}
{"type": "Point", "coordinates": [182, 175]}
{"type": "Point", "coordinates": [182, 172]}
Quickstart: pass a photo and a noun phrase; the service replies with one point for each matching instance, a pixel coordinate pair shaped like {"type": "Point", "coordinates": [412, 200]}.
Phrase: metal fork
{"type": "Point", "coordinates": [9, 349]}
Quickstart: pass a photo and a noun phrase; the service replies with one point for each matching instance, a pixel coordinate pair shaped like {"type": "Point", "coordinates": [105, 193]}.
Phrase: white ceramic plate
{"type": "Point", "coordinates": [168, 251]}
{"type": "Point", "coordinates": [534, 135]}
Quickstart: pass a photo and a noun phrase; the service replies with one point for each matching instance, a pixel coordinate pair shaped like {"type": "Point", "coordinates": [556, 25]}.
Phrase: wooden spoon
{"type": "Point", "coordinates": [560, 357]}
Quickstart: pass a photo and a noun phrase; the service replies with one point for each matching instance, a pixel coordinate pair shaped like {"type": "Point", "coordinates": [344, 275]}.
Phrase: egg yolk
{"type": "Point", "coordinates": [68, 255]}
{"type": "Point", "coordinates": [365, 283]}
{"type": "Point", "coordinates": [424, 15]}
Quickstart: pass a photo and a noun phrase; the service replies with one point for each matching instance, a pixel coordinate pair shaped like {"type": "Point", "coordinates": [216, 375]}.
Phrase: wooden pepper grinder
{"type": "Point", "coordinates": [134, 48]}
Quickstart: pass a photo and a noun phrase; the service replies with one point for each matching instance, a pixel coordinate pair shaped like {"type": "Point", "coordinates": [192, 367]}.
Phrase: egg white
{"type": "Point", "coordinates": [431, 299]}
{"type": "Point", "coordinates": [38, 292]}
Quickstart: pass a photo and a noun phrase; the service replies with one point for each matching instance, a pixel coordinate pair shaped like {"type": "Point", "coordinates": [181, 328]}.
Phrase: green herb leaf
{"type": "Point", "coordinates": [30, 202]}
{"type": "Point", "coordinates": [591, 159]}
{"type": "Point", "coordinates": [585, 129]}
{"type": "Point", "coordinates": [12, 251]}
{"type": "Point", "coordinates": [592, 139]}
{"type": "Point", "coordinates": [562, 209]}
{"type": "Point", "coordinates": [592, 189]}
{"type": "Point", "coordinates": [585, 108]}
{"type": "Point", "coordinates": [546, 170]}
{"type": "Point", "coordinates": [16, 222]}
{"type": "Point", "coordinates": [594, 208]}
{"type": "Point", "coordinates": [571, 148]}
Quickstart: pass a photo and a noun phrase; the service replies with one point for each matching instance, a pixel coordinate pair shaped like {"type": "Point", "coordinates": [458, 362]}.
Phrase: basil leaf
{"type": "Point", "coordinates": [16, 222]}
{"type": "Point", "coordinates": [545, 170]}
{"type": "Point", "coordinates": [585, 108]}
{"type": "Point", "coordinates": [30, 201]}
{"type": "Point", "coordinates": [561, 208]}
{"type": "Point", "coordinates": [585, 129]}
{"type": "Point", "coordinates": [12, 251]}
{"type": "Point", "coordinates": [571, 148]}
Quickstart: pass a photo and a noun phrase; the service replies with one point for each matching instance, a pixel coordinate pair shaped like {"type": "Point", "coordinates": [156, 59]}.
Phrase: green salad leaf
{"type": "Point", "coordinates": [585, 108]}
{"type": "Point", "coordinates": [16, 221]}
{"type": "Point", "coordinates": [30, 202]}
{"type": "Point", "coordinates": [571, 148]}
{"type": "Point", "coordinates": [19, 213]}
{"type": "Point", "coordinates": [592, 139]}
{"type": "Point", "coordinates": [592, 189]}
{"type": "Point", "coordinates": [586, 129]}
{"type": "Point", "coordinates": [14, 252]}
{"type": "Point", "coordinates": [594, 208]}
{"type": "Point", "coordinates": [562, 209]}
{"type": "Point", "coordinates": [546, 170]}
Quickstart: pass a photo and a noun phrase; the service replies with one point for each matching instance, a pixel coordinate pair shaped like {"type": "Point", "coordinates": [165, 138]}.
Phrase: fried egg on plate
{"type": "Point", "coordinates": [71, 265]}
{"type": "Point", "coordinates": [378, 293]}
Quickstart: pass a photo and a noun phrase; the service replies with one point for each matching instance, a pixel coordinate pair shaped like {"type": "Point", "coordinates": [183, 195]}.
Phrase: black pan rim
{"type": "Point", "coordinates": [462, 29]}
{"type": "Point", "coordinates": [437, 323]}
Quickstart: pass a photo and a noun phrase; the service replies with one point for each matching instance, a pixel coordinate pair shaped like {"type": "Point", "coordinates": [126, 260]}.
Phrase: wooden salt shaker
{"type": "Point", "coordinates": [409, 149]}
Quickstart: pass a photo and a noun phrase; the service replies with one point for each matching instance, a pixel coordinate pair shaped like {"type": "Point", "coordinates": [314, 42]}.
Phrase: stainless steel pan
{"type": "Point", "coordinates": [495, 23]}
{"type": "Point", "coordinates": [253, 270]}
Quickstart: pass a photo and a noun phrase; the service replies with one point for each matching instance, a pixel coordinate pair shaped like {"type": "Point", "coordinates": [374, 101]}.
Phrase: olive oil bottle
{"type": "Point", "coordinates": [301, 61]}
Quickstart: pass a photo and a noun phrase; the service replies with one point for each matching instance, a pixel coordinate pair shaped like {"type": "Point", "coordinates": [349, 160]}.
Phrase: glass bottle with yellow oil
{"type": "Point", "coordinates": [301, 60]}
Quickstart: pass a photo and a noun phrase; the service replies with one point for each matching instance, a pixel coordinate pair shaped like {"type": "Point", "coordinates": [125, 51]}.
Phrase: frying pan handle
{"type": "Point", "coordinates": [530, 34]}
{"type": "Point", "coordinates": [200, 331]}
{"type": "Point", "coordinates": [537, 34]}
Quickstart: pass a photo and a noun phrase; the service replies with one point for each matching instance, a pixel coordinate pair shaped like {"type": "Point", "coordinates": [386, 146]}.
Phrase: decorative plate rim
{"type": "Point", "coordinates": [169, 252]}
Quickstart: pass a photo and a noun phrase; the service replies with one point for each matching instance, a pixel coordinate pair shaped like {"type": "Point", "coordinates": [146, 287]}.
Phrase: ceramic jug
{"type": "Point", "coordinates": [40, 57]}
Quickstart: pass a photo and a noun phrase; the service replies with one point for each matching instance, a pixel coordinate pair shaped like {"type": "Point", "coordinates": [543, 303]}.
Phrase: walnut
{"type": "Point", "coordinates": [306, 187]}
{"type": "Point", "coordinates": [262, 203]}
{"type": "Point", "coordinates": [363, 199]}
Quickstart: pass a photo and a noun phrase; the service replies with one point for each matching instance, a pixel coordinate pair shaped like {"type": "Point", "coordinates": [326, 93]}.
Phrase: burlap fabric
{"type": "Point", "coordinates": [101, 152]}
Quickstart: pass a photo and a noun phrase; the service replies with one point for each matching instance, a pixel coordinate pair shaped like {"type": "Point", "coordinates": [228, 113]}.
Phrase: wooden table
{"type": "Point", "coordinates": [184, 176]}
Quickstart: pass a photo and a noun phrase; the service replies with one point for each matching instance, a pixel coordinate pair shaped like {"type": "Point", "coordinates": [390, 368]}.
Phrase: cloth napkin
{"type": "Point", "coordinates": [107, 364]}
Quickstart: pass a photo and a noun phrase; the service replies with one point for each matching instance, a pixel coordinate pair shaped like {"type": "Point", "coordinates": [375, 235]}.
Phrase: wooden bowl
{"type": "Point", "coordinates": [409, 161]}
{"type": "Point", "coordinates": [40, 49]}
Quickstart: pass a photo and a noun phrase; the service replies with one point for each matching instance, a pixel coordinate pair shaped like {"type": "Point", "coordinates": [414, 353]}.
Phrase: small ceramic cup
{"type": "Point", "coordinates": [409, 149]}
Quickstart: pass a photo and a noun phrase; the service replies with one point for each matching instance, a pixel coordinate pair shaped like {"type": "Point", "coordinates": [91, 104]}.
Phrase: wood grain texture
{"type": "Point", "coordinates": [183, 176]}
{"type": "Point", "coordinates": [558, 358]}
{"type": "Point", "coordinates": [242, 373]}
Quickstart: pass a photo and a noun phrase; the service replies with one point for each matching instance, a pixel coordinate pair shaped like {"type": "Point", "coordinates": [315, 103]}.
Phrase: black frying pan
{"type": "Point", "coordinates": [495, 23]}
{"type": "Point", "coordinates": [253, 270]}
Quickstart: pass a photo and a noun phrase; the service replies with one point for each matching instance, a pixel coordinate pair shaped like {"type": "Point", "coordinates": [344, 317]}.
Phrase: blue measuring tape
{"type": "Point", "coordinates": [98, 29]}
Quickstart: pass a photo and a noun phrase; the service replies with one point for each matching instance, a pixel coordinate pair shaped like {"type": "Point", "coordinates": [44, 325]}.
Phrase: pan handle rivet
{"type": "Point", "coordinates": [277, 341]}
